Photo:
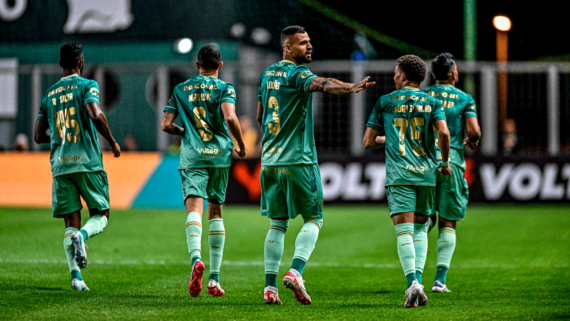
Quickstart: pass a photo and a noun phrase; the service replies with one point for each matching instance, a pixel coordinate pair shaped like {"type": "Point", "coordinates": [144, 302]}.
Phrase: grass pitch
{"type": "Point", "coordinates": [511, 262]}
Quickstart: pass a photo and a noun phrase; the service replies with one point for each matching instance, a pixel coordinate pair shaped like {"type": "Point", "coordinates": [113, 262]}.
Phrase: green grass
{"type": "Point", "coordinates": [511, 262]}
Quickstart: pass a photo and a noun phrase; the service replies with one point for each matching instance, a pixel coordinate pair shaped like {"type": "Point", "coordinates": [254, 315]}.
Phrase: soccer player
{"type": "Point", "coordinates": [203, 103]}
{"type": "Point", "coordinates": [290, 177]}
{"type": "Point", "coordinates": [452, 191]}
{"type": "Point", "coordinates": [409, 117]}
{"type": "Point", "coordinates": [70, 110]}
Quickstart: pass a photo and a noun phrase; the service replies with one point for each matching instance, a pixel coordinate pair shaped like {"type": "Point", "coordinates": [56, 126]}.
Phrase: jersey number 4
{"type": "Point", "coordinates": [415, 134]}
{"type": "Point", "coordinates": [64, 123]}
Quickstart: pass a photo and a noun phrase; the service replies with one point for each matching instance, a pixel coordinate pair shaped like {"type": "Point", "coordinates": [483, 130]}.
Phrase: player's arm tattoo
{"type": "Point", "coordinates": [330, 85]}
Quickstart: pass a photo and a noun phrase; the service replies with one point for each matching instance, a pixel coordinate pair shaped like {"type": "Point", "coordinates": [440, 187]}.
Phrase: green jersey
{"type": "Point", "coordinates": [407, 116]}
{"type": "Point", "coordinates": [206, 141]}
{"type": "Point", "coordinates": [287, 123]}
{"type": "Point", "coordinates": [74, 140]}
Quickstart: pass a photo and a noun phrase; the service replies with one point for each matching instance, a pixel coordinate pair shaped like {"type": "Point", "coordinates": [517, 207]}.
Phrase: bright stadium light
{"type": "Point", "coordinates": [183, 45]}
{"type": "Point", "coordinates": [261, 36]}
{"type": "Point", "coordinates": [502, 23]}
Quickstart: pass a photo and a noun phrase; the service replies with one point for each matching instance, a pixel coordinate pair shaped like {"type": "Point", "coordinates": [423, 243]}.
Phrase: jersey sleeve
{"type": "Point", "coordinates": [301, 78]}
{"type": "Point", "coordinates": [42, 115]}
{"type": "Point", "coordinates": [229, 94]}
{"type": "Point", "coordinates": [471, 109]}
{"type": "Point", "coordinates": [375, 120]}
{"type": "Point", "coordinates": [171, 106]}
{"type": "Point", "coordinates": [92, 93]}
{"type": "Point", "coordinates": [438, 113]}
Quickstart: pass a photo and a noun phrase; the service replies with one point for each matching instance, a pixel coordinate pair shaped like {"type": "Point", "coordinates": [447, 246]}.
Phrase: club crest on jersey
{"type": "Point", "coordinates": [88, 16]}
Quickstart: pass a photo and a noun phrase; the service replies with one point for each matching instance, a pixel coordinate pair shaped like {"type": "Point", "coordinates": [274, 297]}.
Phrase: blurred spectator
{"type": "Point", "coordinates": [129, 143]}
{"type": "Point", "coordinates": [250, 138]}
{"type": "Point", "coordinates": [174, 147]}
{"type": "Point", "coordinates": [21, 143]}
{"type": "Point", "coordinates": [510, 139]}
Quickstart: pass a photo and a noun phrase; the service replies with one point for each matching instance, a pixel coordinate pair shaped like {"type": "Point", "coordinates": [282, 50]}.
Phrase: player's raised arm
{"type": "Point", "coordinates": [100, 122]}
{"type": "Point", "coordinates": [40, 133]}
{"type": "Point", "coordinates": [337, 87]}
{"type": "Point", "coordinates": [473, 132]}
{"type": "Point", "coordinates": [443, 138]}
{"type": "Point", "coordinates": [229, 111]}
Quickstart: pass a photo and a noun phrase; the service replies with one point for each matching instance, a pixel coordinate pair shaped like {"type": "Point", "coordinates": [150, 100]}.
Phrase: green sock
{"type": "Point", "coordinates": [215, 277]}
{"type": "Point", "coordinates": [420, 245]}
{"type": "Point", "coordinates": [445, 248]}
{"type": "Point", "coordinates": [216, 238]}
{"type": "Point", "coordinates": [410, 278]}
{"type": "Point", "coordinates": [94, 225]}
{"type": "Point", "coordinates": [271, 280]}
{"type": "Point", "coordinates": [194, 235]}
{"type": "Point", "coordinates": [419, 277]}
{"type": "Point", "coordinates": [406, 251]}
{"type": "Point", "coordinates": [274, 246]}
{"type": "Point", "coordinates": [441, 274]}
{"type": "Point", "coordinates": [298, 265]}
{"type": "Point", "coordinates": [306, 241]}
{"type": "Point", "coordinates": [70, 253]}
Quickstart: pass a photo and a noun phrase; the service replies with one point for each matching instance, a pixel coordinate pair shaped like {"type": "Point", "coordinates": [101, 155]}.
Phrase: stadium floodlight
{"type": "Point", "coordinates": [261, 36]}
{"type": "Point", "coordinates": [183, 45]}
{"type": "Point", "coordinates": [502, 23]}
{"type": "Point", "coordinates": [238, 30]}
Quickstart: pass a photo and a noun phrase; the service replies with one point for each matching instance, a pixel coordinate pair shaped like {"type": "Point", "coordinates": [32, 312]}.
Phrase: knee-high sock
{"type": "Point", "coordinates": [420, 246]}
{"type": "Point", "coordinates": [70, 254]}
{"type": "Point", "coordinates": [194, 235]}
{"type": "Point", "coordinates": [406, 250]}
{"type": "Point", "coordinates": [274, 250]}
{"type": "Point", "coordinates": [445, 248]}
{"type": "Point", "coordinates": [94, 225]}
{"type": "Point", "coordinates": [216, 238]}
{"type": "Point", "coordinates": [305, 243]}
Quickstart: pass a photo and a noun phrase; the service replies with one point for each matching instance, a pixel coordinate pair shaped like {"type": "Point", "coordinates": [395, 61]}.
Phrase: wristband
{"type": "Point", "coordinates": [444, 164]}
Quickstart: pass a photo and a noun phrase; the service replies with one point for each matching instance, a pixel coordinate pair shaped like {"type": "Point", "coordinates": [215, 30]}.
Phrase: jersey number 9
{"type": "Point", "coordinates": [275, 126]}
{"type": "Point", "coordinates": [63, 122]}
{"type": "Point", "coordinates": [415, 134]}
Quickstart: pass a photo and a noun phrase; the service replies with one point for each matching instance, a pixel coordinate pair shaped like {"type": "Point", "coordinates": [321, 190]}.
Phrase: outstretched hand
{"type": "Point", "coordinates": [116, 149]}
{"type": "Point", "coordinates": [364, 84]}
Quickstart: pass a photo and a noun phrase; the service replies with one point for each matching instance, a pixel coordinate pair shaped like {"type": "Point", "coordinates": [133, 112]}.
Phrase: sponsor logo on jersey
{"type": "Point", "coordinates": [209, 151]}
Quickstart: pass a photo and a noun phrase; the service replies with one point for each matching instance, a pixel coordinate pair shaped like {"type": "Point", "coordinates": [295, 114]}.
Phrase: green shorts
{"type": "Point", "coordinates": [288, 191]}
{"type": "Point", "coordinates": [67, 189]}
{"type": "Point", "coordinates": [452, 194]}
{"type": "Point", "coordinates": [410, 198]}
{"type": "Point", "coordinates": [209, 183]}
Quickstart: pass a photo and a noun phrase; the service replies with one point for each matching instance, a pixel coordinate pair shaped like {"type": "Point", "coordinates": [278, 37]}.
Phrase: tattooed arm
{"type": "Point", "coordinates": [337, 87]}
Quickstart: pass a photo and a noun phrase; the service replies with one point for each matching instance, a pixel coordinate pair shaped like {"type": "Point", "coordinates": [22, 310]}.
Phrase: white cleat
{"type": "Point", "coordinates": [80, 253]}
{"type": "Point", "coordinates": [439, 287]}
{"type": "Point", "coordinates": [412, 294]}
{"type": "Point", "coordinates": [77, 285]}
{"type": "Point", "coordinates": [295, 283]}
{"type": "Point", "coordinates": [270, 295]}
{"type": "Point", "coordinates": [214, 289]}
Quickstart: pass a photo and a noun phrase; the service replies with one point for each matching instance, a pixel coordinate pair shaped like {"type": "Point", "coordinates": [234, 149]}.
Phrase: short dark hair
{"type": "Point", "coordinates": [414, 67]}
{"type": "Point", "coordinates": [70, 54]}
{"type": "Point", "coordinates": [209, 57]}
{"type": "Point", "coordinates": [290, 31]}
{"type": "Point", "coordinates": [441, 66]}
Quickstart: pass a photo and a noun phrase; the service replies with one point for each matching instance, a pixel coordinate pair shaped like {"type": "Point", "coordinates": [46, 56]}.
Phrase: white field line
{"type": "Point", "coordinates": [261, 263]}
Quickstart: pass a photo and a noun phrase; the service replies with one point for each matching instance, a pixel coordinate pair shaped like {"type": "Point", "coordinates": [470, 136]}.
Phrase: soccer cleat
{"type": "Point", "coordinates": [80, 253]}
{"type": "Point", "coordinates": [214, 289]}
{"type": "Point", "coordinates": [422, 298]}
{"type": "Point", "coordinates": [412, 295]}
{"type": "Point", "coordinates": [195, 285]}
{"type": "Point", "coordinates": [295, 283]}
{"type": "Point", "coordinates": [77, 285]}
{"type": "Point", "coordinates": [439, 287]}
{"type": "Point", "coordinates": [270, 295]}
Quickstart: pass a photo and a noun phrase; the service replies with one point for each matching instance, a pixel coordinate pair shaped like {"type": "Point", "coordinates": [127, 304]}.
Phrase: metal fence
{"type": "Point", "coordinates": [133, 96]}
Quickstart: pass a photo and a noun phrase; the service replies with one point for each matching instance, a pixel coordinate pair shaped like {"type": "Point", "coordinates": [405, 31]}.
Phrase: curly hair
{"type": "Point", "coordinates": [414, 67]}
{"type": "Point", "coordinates": [69, 55]}
{"type": "Point", "coordinates": [441, 66]}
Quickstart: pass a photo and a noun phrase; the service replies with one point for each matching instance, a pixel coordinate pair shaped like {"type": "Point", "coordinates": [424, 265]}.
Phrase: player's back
{"type": "Point", "coordinates": [287, 122]}
{"type": "Point", "coordinates": [206, 141]}
{"type": "Point", "coordinates": [408, 116]}
{"type": "Point", "coordinates": [74, 140]}
{"type": "Point", "coordinates": [457, 105]}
